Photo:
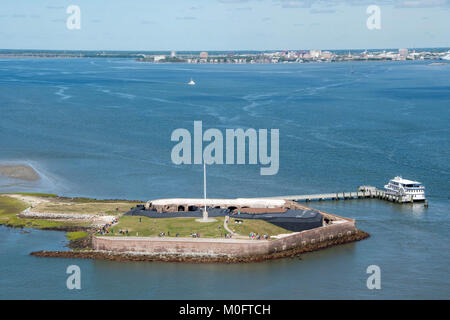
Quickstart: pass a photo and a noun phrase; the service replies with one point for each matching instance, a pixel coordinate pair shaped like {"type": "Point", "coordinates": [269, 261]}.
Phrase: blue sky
{"type": "Point", "coordinates": [223, 24]}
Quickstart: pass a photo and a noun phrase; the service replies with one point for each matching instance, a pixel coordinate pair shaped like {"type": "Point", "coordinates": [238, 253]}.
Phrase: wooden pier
{"type": "Point", "coordinates": [364, 192]}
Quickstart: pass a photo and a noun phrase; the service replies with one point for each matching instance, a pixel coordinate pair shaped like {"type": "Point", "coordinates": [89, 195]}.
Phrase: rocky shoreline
{"type": "Point", "coordinates": [101, 255]}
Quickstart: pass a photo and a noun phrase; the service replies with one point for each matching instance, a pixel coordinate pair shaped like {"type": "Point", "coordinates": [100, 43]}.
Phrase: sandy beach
{"type": "Point", "coordinates": [20, 172]}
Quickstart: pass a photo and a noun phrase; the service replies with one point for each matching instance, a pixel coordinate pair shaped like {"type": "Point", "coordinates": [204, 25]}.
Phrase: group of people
{"type": "Point", "coordinates": [163, 234]}
{"type": "Point", "coordinates": [257, 236]}
{"type": "Point", "coordinates": [193, 235]}
{"type": "Point", "coordinates": [105, 229]}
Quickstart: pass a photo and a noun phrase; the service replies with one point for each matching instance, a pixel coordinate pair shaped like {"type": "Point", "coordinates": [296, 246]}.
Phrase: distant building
{"type": "Point", "coordinates": [306, 55]}
{"type": "Point", "coordinates": [173, 54]}
{"type": "Point", "coordinates": [413, 55]}
{"type": "Point", "coordinates": [292, 54]}
{"type": "Point", "coordinates": [403, 52]}
{"type": "Point", "coordinates": [315, 53]}
{"type": "Point", "coordinates": [327, 55]}
{"type": "Point", "coordinates": [203, 54]}
{"type": "Point", "coordinates": [158, 58]}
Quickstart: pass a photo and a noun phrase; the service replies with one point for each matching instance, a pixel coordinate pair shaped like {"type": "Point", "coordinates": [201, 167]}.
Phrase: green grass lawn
{"type": "Point", "coordinates": [76, 235]}
{"type": "Point", "coordinates": [10, 207]}
{"type": "Point", "coordinates": [256, 226]}
{"type": "Point", "coordinates": [151, 227]}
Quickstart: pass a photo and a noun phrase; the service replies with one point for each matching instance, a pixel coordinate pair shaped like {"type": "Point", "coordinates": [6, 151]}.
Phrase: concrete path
{"type": "Point", "coordinates": [234, 234]}
{"type": "Point", "coordinates": [225, 225]}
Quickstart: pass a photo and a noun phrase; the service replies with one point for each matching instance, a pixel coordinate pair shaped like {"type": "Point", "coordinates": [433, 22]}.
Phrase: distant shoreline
{"type": "Point", "coordinates": [241, 56]}
{"type": "Point", "coordinates": [432, 62]}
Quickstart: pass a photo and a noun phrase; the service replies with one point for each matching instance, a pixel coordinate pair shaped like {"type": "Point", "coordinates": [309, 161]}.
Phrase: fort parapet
{"type": "Point", "coordinates": [224, 247]}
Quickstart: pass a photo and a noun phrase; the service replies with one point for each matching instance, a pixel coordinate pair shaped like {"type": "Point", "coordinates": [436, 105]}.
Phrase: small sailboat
{"type": "Point", "coordinates": [191, 83]}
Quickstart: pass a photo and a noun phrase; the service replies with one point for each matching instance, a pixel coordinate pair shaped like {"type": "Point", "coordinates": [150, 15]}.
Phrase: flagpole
{"type": "Point", "coordinates": [205, 217]}
{"type": "Point", "coordinates": [205, 213]}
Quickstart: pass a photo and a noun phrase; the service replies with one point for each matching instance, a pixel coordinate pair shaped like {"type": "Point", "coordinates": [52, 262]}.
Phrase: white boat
{"type": "Point", "coordinates": [191, 83]}
{"type": "Point", "coordinates": [406, 190]}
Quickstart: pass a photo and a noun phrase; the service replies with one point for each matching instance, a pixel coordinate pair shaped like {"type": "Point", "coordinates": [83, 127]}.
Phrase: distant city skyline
{"type": "Point", "coordinates": [217, 25]}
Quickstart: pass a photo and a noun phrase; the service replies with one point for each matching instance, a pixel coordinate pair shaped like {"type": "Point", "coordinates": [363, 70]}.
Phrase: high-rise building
{"type": "Point", "coordinates": [403, 52]}
{"type": "Point", "coordinates": [203, 54]}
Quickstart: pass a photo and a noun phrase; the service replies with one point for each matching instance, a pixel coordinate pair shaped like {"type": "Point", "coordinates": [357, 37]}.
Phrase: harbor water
{"type": "Point", "coordinates": [102, 128]}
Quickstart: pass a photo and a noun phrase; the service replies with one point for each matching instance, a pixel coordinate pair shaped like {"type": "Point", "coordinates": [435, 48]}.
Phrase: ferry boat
{"type": "Point", "coordinates": [406, 190]}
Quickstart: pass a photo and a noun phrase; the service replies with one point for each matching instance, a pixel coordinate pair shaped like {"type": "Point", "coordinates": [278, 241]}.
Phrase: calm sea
{"type": "Point", "coordinates": [101, 128]}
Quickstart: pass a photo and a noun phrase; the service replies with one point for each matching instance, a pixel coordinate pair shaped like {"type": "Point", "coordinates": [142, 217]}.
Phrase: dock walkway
{"type": "Point", "coordinates": [364, 192]}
